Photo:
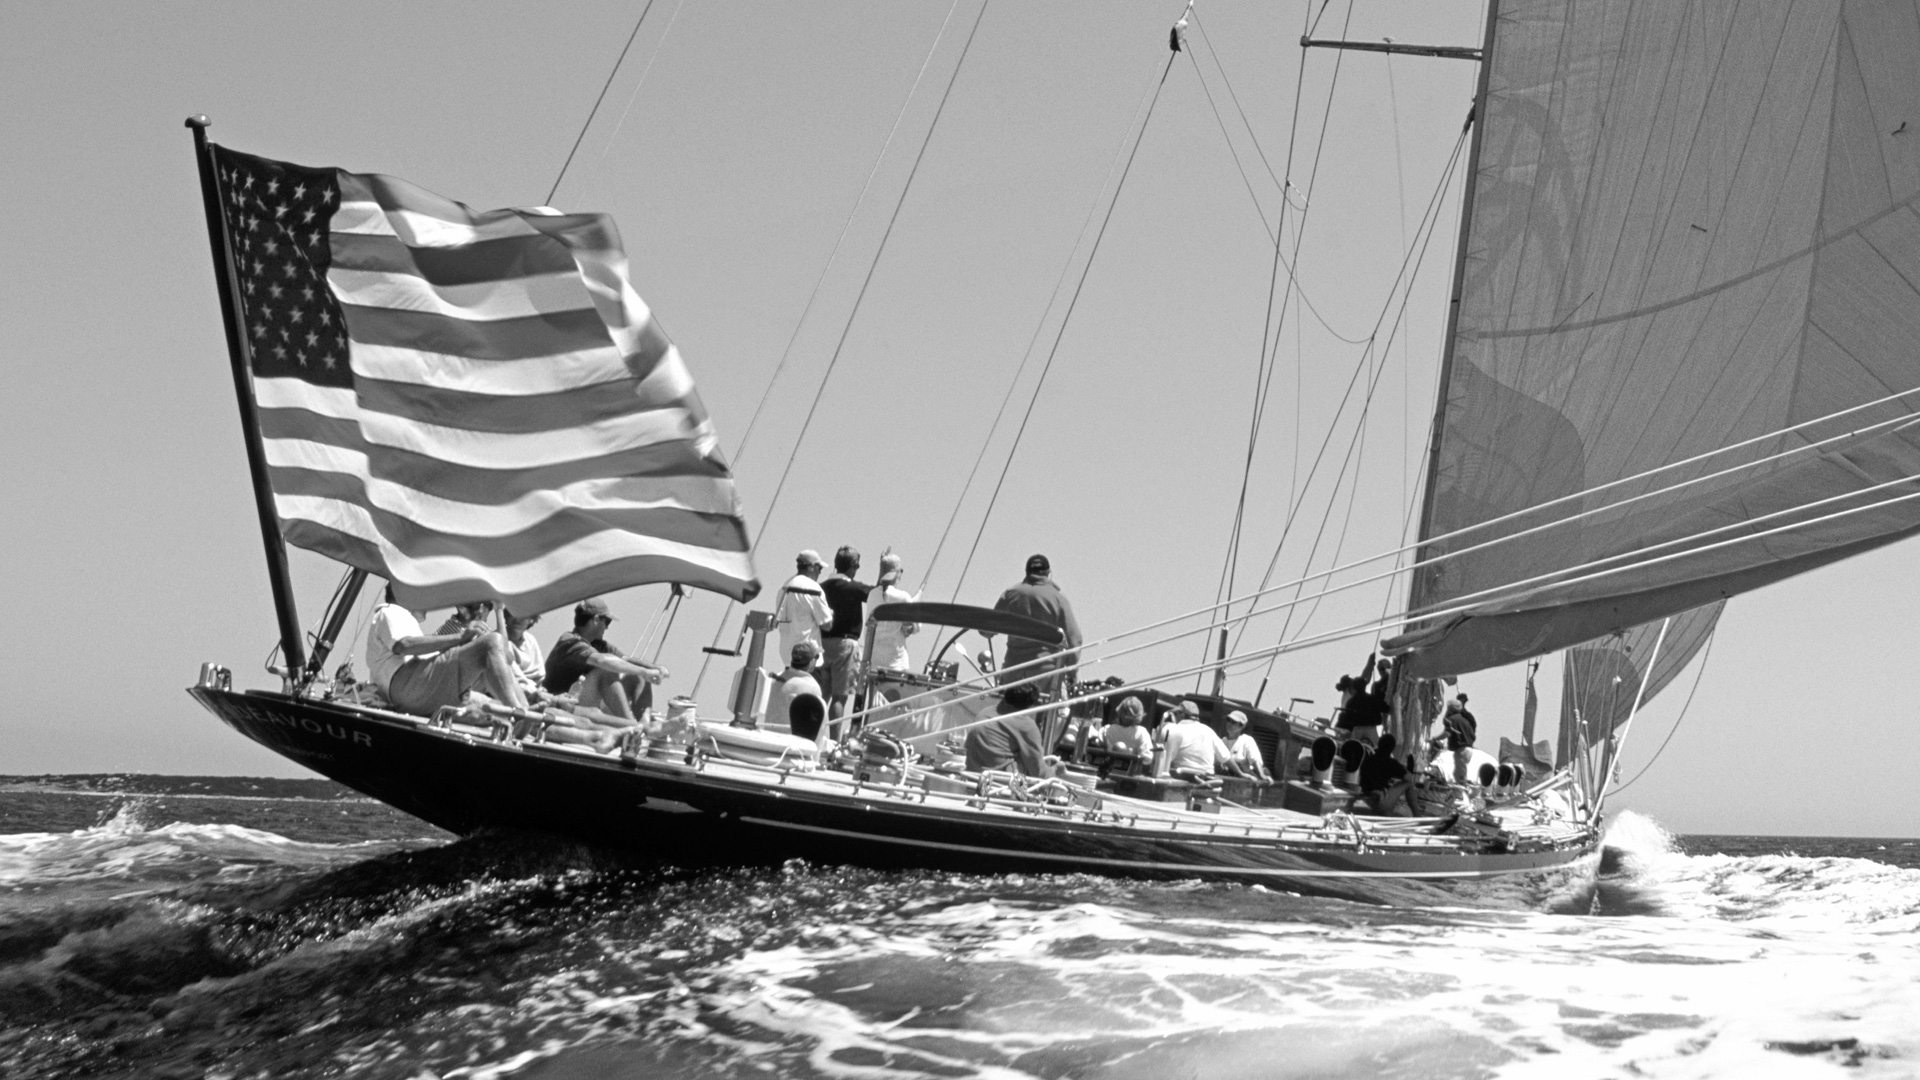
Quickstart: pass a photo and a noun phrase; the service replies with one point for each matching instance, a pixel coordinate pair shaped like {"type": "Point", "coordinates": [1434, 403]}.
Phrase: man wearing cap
{"type": "Point", "coordinates": [1037, 597]}
{"type": "Point", "coordinates": [1243, 750]}
{"type": "Point", "coordinates": [615, 685]}
{"type": "Point", "coordinates": [791, 685]}
{"type": "Point", "coordinates": [1194, 752]}
{"type": "Point", "coordinates": [802, 611]}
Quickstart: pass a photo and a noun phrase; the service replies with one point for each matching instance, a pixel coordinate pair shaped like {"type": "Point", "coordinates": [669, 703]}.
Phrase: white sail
{"type": "Point", "coordinates": [1691, 225]}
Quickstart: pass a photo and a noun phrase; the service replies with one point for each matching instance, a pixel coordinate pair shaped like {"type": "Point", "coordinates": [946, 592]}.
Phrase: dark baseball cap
{"type": "Point", "coordinates": [1038, 564]}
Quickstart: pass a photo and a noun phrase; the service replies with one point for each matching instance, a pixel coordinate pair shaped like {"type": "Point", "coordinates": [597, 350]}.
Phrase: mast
{"type": "Point", "coordinates": [292, 650]}
{"type": "Point", "coordinates": [1408, 701]}
{"type": "Point", "coordinates": [1476, 118]}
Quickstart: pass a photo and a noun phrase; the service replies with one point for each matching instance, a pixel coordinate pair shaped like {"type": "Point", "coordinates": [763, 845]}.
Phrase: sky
{"type": "Point", "coordinates": [732, 147]}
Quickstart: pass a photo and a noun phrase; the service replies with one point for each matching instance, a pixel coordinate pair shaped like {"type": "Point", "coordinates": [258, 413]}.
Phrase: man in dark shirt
{"type": "Point", "coordinates": [613, 684]}
{"type": "Point", "coordinates": [1008, 743]}
{"type": "Point", "coordinates": [1037, 597]}
{"type": "Point", "coordinates": [1383, 779]}
{"type": "Point", "coordinates": [848, 600]}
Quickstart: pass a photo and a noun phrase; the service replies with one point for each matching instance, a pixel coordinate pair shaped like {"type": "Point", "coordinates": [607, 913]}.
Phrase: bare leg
{"type": "Point", "coordinates": [496, 679]}
{"type": "Point", "coordinates": [610, 695]}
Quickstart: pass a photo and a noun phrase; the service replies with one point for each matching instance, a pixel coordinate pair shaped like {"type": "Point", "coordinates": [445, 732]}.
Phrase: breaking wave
{"type": "Point", "coordinates": [176, 949]}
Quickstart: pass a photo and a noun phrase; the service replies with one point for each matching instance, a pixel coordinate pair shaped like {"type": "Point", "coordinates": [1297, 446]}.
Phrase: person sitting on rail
{"type": "Point", "coordinates": [1243, 750]}
{"type": "Point", "coordinates": [529, 667]}
{"type": "Point", "coordinates": [1010, 742]}
{"type": "Point", "coordinates": [617, 687]}
{"type": "Point", "coordinates": [790, 686]}
{"type": "Point", "coordinates": [1385, 782]}
{"type": "Point", "coordinates": [465, 615]}
{"type": "Point", "coordinates": [1194, 752]}
{"type": "Point", "coordinates": [420, 672]}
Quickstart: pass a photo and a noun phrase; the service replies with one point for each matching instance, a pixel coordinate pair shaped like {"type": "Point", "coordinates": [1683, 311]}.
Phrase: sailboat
{"type": "Point", "coordinates": [1676, 369]}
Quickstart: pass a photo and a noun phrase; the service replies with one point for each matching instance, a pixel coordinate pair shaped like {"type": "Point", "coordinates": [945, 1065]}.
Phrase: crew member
{"type": "Point", "coordinates": [1243, 750]}
{"type": "Point", "coordinates": [1009, 742]}
{"type": "Point", "coordinates": [802, 611]}
{"type": "Point", "coordinates": [791, 685]}
{"type": "Point", "coordinates": [1194, 752]}
{"type": "Point", "coordinates": [529, 667]}
{"type": "Point", "coordinates": [618, 686]}
{"type": "Point", "coordinates": [1037, 597]}
{"type": "Point", "coordinates": [848, 599]}
{"type": "Point", "coordinates": [890, 638]}
{"type": "Point", "coordinates": [420, 672]}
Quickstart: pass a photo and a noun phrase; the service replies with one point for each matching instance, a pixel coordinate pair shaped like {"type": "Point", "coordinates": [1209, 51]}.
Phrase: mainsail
{"type": "Point", "coordinates": [1692, 226]}
{"type": "Point", "coordinates": [471, 405]}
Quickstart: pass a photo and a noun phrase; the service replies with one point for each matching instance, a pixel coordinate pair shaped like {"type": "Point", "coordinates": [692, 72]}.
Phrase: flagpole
{"type": "Point", "coordinates": [292, 645]}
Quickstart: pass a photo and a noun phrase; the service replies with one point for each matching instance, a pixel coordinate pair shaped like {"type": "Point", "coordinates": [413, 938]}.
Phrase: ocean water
{"type": "Point", "coordinates": [213, 927]}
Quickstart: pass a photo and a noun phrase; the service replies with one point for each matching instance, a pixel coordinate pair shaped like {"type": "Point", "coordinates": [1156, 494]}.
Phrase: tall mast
{"type": "Point", "coordinates": [292, 649]}
{"type": "Point", "coordinates": [1477, 118]}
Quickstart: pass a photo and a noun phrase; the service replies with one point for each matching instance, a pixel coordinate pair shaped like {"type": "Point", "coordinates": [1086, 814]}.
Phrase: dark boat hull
{"type": "Point", "coordinates": [685, 815]}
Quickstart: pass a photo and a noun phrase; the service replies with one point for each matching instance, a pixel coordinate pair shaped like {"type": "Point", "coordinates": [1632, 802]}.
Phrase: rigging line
{"type": "Point", "coordinates": [853, 314]}
{"type": "Point", "coordinates": [1093, 210]}
{"type": "Point", "coordinates": [1705, 655]}
{"type": "Point", "coordinates": [1386, 351]}
{"type": "Point", "coordinates": [1428, 218]}
{"type": "Point", "coordinates": [596, 101]}
{"type": "Point", "coordinates": [1270, 336]}
{"type": "Point", "coordinates": [1272, 230]}
{"type": "Point", "coordinates": [746, 436]}
{"type": "Point", "coordinates": [1369, 627]}
{"type": "Point", "coordinates": [1299, 235]}
{"type": "Point", "coordinates": [642, 80]}
{"type": "Point", "coordinates": [1244, 122]}
{"type": "Point", "coordinates": [1065, 320]}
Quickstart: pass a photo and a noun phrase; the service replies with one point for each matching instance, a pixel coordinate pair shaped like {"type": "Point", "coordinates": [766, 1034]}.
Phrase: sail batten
{"type": "Point", "coordinates": [1693, 224]}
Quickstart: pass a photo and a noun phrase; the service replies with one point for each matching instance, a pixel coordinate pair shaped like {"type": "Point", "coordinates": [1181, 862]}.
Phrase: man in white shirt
{"type": "Point", "coordinates": [890, 638]}
{"type": "Point", "coordinates": [529, 663]}
{"type": "Point", "coordinates": [1194, 752]}
{"type": "Point", "coordinates": [420, 672]}
{"type": "Point", "coordinates": [1243, 750]}
{"type": "Point", "coordinates": [803, 612]}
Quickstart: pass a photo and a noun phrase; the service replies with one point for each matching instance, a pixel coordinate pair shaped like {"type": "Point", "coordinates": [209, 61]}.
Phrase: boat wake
{"type": "Point", "coordinates": [240, 952]}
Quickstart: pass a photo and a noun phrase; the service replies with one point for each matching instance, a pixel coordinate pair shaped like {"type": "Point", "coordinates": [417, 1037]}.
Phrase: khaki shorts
{"type": "Point", "coordinates": [836, 668]}
{"type": "Point", "coordinates": [423, 684]}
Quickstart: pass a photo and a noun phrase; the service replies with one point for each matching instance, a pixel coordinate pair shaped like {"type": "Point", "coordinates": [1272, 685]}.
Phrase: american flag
{"type": "Point", "coordinates": [470, 405]}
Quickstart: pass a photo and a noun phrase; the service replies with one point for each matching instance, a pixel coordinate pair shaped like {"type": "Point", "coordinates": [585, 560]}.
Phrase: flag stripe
{"type": "Point", "coordinates": [490, 260]}
{"type": "Point", "coordinates": [482, 302]}
{"type": "Point", "coordinates": [563, 371]}
{"type": "Point", "coordinates": [507, 415]}
{"type": "Point", "coordinates": [472, 404]}
{"type": "Point", "coordinates": [508, 578]}
{"type": "Point", "coordinates": [480, 487]}
{"type": "Point", "coordinates": [410, 533]}
{"type": "Point", "coordinates": [698, 494]}
{"type": "Point", "coordinates": [556, 593]}
{"type": "Point", "coordinates": [527, 337]}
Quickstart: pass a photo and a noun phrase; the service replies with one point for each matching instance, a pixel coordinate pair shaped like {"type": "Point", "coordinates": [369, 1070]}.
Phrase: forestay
{"type": "Point", "coordinates": [1692, 224]}
{"type": "Point", "coordinates": [472, 405]}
